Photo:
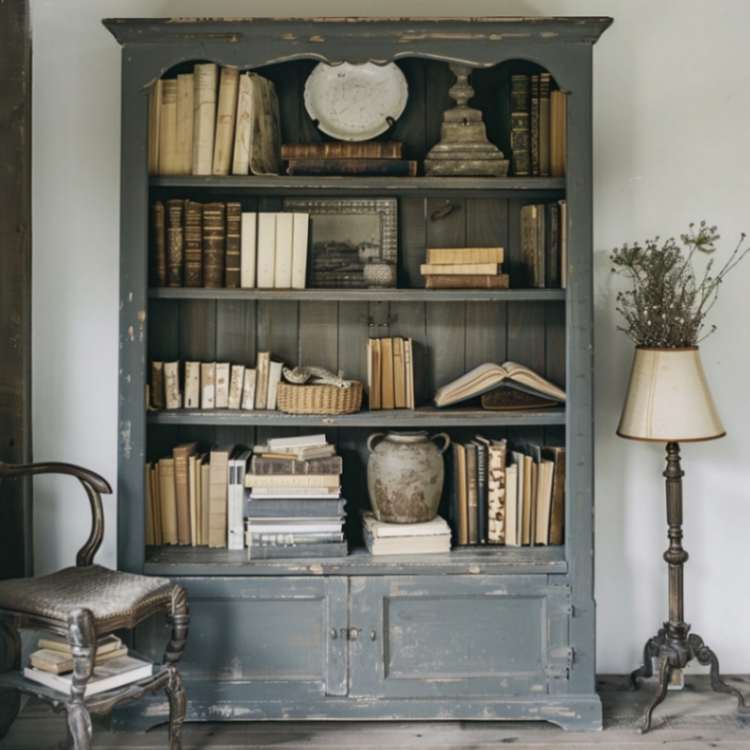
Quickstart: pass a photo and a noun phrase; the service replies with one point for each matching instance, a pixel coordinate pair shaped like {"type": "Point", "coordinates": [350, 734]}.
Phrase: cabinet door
{"type": "Point", "coordinates": [263, 637]}
{"type": "Point", "coordinates": [452, 636]}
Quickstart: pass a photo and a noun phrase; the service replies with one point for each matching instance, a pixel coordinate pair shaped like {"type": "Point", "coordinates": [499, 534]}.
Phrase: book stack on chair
{"type": "Point", "coordinates": [52, 664]}
{"type": "Point", "coordinates": [295, 508]}
{"type": "Point", "coordinates": [464, 268]}
{"type": "Point", "coordinates": [426, 538]}
{"type": "Point", "coordinates": [343, 158]}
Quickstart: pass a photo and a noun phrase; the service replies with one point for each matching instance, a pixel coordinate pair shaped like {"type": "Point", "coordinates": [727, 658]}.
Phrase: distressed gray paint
{"type": "Point", "coordinates": [298, 602]}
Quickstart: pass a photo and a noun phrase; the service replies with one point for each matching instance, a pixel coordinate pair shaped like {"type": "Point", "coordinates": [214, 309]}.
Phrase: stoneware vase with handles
{"type": "Point", "coordinates": [405, 475]}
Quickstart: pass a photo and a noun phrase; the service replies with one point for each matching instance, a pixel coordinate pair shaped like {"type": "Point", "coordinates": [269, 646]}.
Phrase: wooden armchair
{"type": "Point", "coordinates": [84, 603]}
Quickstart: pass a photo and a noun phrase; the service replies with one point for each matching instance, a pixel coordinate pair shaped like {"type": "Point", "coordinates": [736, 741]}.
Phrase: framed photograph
{"type": "Point", "coordinates": [348, 236]}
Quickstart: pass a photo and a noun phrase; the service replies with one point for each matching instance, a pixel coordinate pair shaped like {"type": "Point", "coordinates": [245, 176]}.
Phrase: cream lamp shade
{"type": "Point", "coordinates": [668, 398]}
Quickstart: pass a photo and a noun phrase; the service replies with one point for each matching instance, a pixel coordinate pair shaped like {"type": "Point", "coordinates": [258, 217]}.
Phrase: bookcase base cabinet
{"type": "Point", "coordinates": [378, 647]}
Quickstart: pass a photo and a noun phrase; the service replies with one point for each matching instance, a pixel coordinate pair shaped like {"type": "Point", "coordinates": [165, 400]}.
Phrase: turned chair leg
{"type": "Point", "coordinates": [10, 659]}
{"type": "Point", "coordinates": [82, 639]}
{"type": "Point", "coordinates": [179, 618]}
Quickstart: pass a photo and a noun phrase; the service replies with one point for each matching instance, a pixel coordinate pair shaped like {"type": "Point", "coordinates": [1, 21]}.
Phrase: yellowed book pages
{"type": "Point", "coordinates": [205, 496]}
{"type": "Point", "coordinates": [243, 127]}
{"type": "Point", "coordinates": [205, 77]}
{"type": "Point", "coordinates": [168, 500]}
{"type": "Point", "coordinates": [236, 379]}
{"type": "Point", "coordinates": [459, 269]}
{"type": "Point", "coordinates": [218, 480]}
{"type": "Point", "coordinates": [168, 161]}
{"type": "Point", "coordinates": [172, 393]}
{"type": "Point", "coordinates": [292, 480]}
{"type": "Point", "coordinates": [208, 385]}
{"type": "Point", "coordinates": [226, 113]}
{"type": "Point", "coordinates": [154, 114]}
{"type": "Point", "coordinates": [149, 508]}
{"type": "Point", "coordinates": [248, 389]}
{"type": "Point", "coordinates": [387, 392]}
{"type": "Point", "coordinates": [193, 502]}
{"type": "Point", "coordinates": [462, 255]}
{"type": "Point", "coordinates": [104, 645]}
{"type": "Point", "coordinates": [222, 385]}
{"type": "Point", "coordinates": [56, 662]}
{"type": "Point", "coordinates": [185, 110]}
{"type": "Point", "coordinates": [192, 385]}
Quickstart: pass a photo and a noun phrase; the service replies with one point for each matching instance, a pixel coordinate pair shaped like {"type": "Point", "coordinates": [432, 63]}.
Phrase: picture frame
{"type": "Point", "coordinates": [353, 241]}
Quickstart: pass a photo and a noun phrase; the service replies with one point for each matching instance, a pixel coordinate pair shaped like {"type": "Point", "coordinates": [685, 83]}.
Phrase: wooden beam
{"type": "Point", "coordinates": [15, 282]}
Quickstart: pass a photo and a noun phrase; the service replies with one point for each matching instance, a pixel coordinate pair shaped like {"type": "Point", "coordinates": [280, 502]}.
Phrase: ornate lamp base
{"type": "Point", "coordinates": [674, 646]}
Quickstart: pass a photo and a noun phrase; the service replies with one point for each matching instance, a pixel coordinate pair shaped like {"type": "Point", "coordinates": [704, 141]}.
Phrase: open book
{"type": "Point", "coordinates": [489, 376]}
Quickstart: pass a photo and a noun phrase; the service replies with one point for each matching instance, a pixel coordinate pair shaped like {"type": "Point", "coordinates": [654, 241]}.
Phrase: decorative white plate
{"type": "Point", "coordinates": [355, 102]}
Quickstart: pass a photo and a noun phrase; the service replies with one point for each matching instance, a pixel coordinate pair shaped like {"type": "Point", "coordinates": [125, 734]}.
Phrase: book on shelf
{"type": "Point", "coordinates": [390, 373]}
{"type": "Point", "coordinates": [232, 258]}
{"type": "Point", "coordinates": [464, 255]}
{"type": "Point", "coordinates": [472, 498]}
{"type": "Point", "coordinates": [208, 385]}
{"type": "Point", "coordinates": [274, 378]}
{"type": "Point", "coordinates": [184, 126]}
{"type": "Point", "coordinates": [157, 390]}
{"type": "Point", "coordinates": [107, 675]}
{"type": "Point", "coordinates": [519, 125]}
{"type": "Point", "coordinates": [154, 112]}
{"type": "Point", "coordinates": [172, 394]}
{"type": "Point", "coordinates": [489, 376]}
{"type": "Point", "coordinates": [556, 455]}
{"type": "Point", "coordinates": [221, 397]}
{"type": "Point", "coordinates": [193, 497]}
{"type": "Point", "coordinates": [300, 232]}
{"type": "Point", "coordinates": [295, 551]}
{"type": "Point", "coordinates": [204, 520]}
{"type": "Point", "coordinates": [262, 507]}
{"type": "Point", "coordinates": [473, 281]}
{"type": "Point", "coordinates": [430, 537]}
{"type": "Point", "coordinates": [343, 150]}
{"type": "Point", "coordinates": [181, 454]}
{"type": "Point", "coordinates": [372, 167]}
{"type": "Point", "coordinates": [244, 125]}
{"type": "Point", "coordinates": [464, 268]}
{"type": "Point", "coordinates": [459, 269]}
{"type": "Point", "coordinates": [248, 389]}
{"type": "Point", "coordinates": [266, 252]}
{"type": "Point", "coordinates": [105, 645]}
{"type": "Point", "coordinates": [206, 77]}
{"type": "Point", "coordinates": [558, 133]}
{"type": "Point", "coordinates": [214, 239]}
{"type": "Point", "coordinates": [192, 385]}
{"type": "Point", "coordinates": [544, 124]}
{"type": "Point", "coordinates": [292, 480]}
{"type": "Point", "coordinates": [236, 497]}
{"type": "Point", "coordinates": [167, 500]}
{"type": "Point", "coordinates": [511, 399]}
{"type": "Point", "coordinates": [296, 441]}
{"type": "Point", "coordinates": [167, 149]}
{"type": "Point", "coordinates": [534, 124]}
{"type": "Point", "coordinates": [236, 380]}
{"type": "Point", "coordinates": [296, 493]}
{"type": "Point", "coordinates": [175, 242]}
{"type": "Point", "coordinates": [193, 244]}
{"type": "Point", "coordinates": [149, 502]}
{"type": "Point", "coordinates": [226, 112]}
{"type": "Point", "coordinates": [544, 243]}
{"type": "Point", "coordinates": [263, 364]}
{"type": "Point", "coordinates": [159, 243]}
{"type": "Point", "coordinates": [248, 239]}
{"type": "Point", "coordinates": [481, 444]}
{"type": "Point", "coordinates": [218, 481]}
{"type": "Point", "coordinates": [563, 243]}
{"type": "Point", "coordinates": [292, 465]}
{"type": "Point", "coordinates": [283, 246]}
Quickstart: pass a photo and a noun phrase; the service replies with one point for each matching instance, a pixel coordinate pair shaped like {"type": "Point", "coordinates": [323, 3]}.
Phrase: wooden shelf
{"type": "Point", "coordinates": [397, 418]}
{"type": "Point", "coordinates": [362, 295]}
{"type": "Point", "coordinates": [278, 184]}
{"type": "Point", "coordinates": [196, 561]}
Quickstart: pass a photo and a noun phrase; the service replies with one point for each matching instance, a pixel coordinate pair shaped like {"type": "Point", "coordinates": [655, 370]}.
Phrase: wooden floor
{"type": "Point", "coordinates": [691, 719]}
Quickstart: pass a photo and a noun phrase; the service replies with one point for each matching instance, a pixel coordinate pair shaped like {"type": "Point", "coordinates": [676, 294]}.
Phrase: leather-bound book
{"type": "Point", "coordinates": [544, 125]}
{"type": "Point", "coordinates": [181, 454]}
{"type": "Point", "coordinates": [343, 150]}
{"type": "Point", "coordinates": [552, 245]}
{"type": "Point", "coordinates": [213, 245]}
{"type": "Point", "coordinates": [175, 242]}
{"type": "Point", "coordinates": [557, 513]}
{"type": "Point", "coordinates": [233, 251]}
{"type": "Point", "coordinates": [519, 125]}
{"type": "Point", "coordinates": [530, 250]}
{"type": "Point", "coordinates": [558, 137]}
{"type": "Point", "coordinates": [473, 281]}
{"type": "Point", "coordinates": [157, 385]}
{"type": "Point", "coordinates": [159, 243]}
{"type": "Point", "coordinates": [193, 244]}
{"type": "Point", "coordinates": [534, 130]}
{"type": "Point", "coordinates": [371, 167]}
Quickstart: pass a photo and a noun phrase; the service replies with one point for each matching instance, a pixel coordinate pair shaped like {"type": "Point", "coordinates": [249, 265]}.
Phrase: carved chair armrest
{"type": "Point", "coordinates": [95, 487]}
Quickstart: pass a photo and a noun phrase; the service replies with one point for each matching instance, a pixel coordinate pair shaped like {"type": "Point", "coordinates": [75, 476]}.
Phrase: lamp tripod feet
{"type": "Point", "coordinates": [704, 655]}
{"type": "Point", "coordinates": [650, 651]}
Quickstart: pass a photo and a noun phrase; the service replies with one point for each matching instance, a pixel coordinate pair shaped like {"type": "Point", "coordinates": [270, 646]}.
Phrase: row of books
{"type": "Point", "coordinates": [213, 121]}
{"type": "Point", "coordinates": [464, 268]}
{"type": "Point", "coordinates": [215, 385]}
{"type": "Point", "coordinates": [544, 244]}
{"type": "Point", "coordinates": [346, 158]}
{"type": "Point", "coordinates": [295, 508]}
{"type": "Point", "coordinates": [537, 127]}
{"type": "Point", "coordinates": [51, 664]}
{"type": "Point", "coordinates": [196, 498]}
{"type": "Point", "coordinates": [508, 496]}
{"type": "Point", "coordinates": [390, 373]}
{"type": "Point", "coordinates": [218, 245]}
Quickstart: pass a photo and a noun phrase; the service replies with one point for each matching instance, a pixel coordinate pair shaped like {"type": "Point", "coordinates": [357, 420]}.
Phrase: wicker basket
{"type": "Point", "coordinates": [319, 399]}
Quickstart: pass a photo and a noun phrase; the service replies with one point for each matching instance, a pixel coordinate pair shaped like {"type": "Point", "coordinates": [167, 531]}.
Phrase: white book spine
{"type": "Point", "coordinates": [236, 380]}
{"type": "Point", "coordinates": [301, 223]}
{"type": "Point", "coordinates": [274, 378]}
{"type": "Point", "coordinates": [266, 250]}
{"type": "Point", "coordinates": [235, 502]}
{"type": "Point", "coordinates": [204, 117]}
{"type": "Point", "coordinates": [192, 385]}
{"type": "Point", "coordinates": [226, 112]}
{"type": "Point", "coordinates": [248, 389]}
{"type": "Point", "coordinates": [248, 249]}
{"type": "Point", "coordinates": [208, 385]}
{"type": "Point", "coordinates": [282, 276]}
{"type": "Point", "coordinates": [243, 128]}
{"type": "Point", "coordinates": [172, 385]}
{"type": "Point", "coordinates": [222, 385]}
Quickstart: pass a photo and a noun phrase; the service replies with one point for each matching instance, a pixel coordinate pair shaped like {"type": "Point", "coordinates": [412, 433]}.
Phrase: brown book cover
{"type": "Point", "coordinates": [387, 382]}
{"type": "Point", "coordinates": [232, 259]}
{"type": "Point", "coordinates": [399, 373]}
{"type": "Point", "coordinates": [557, 512]}
{"type": "Point", "coordinates": [157, 391]}
{"type": "Point", "coordinates": [519, 125]}
{"type": "Point", "coordinates": [205, 496]}
{"type": "Point", "coordinates": [529, 244]}
{"type": "Point", "coordinates": [552, 245]}
{"type": "Point", "coordinates": [471, 281]}
{"type": "Point", "coordinates": [460, 494]}
{"type": "Point", "coordinates": [409, 368]}
{"type": "Point", "coordinates": [370, 167]}
{"type": "Point", "coordinates": [504, 398]}
{"type": "Point", "coordinates": [472, 493]}
{"type": "Point", "coordinates": [534, 130]}
{"type": "Point", "coordinates": [181, 454]}
{"type": "Point", "coordinates": [558, 135]}
{"type": "Point", "coordinates": [153, 480]}
{"type": "Point", "coordinates": [149, 509]}
{"type": "Point", "coordinates": [175, 242]}
{"type": "Point", "coordinates": [168, 500]}
{"type": "Point", "coordinates": [375, 384]}
{"type": "Point", "coordinates": [544, 124]}
{"type": "Point", "coordinates": [343, 150]}
{"type": "Point", "coordinates": [213, 245]}
{"type": "Point", "coordinates": [529, 495]}
{"type": "Point", "coordinates": [193, 244]}
{"type": "Point", "coordinates": [159, 244]}
{"type": "Point", "coordinates": [563, 204]}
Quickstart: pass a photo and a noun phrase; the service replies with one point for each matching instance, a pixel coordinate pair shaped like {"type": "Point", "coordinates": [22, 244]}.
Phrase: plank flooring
{"type": "Point", "coordinates": [691, 719]}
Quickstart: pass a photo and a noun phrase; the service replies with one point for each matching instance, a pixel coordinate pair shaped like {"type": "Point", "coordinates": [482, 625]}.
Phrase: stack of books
{"type": "Point", "coordinates": [213, 121]}
{"type": "Point", "coordinates": [215, 385]}
{"type": "Point", "coordinates": [538, 117]}
{"type": "Point", "coordinates": [464, 268]}
{"type": "Point", "coordinates": [295, 508]}
{"type": "Point", "coordinates": [390, 373]}
{"type": "Point", "coordinates": [52, 663]}
{"type": "Point", "coordinates": [544, 244]}
{"type": "Point", "coordinates": [508, 496]}
{"type": "Point", "coordinates": [345, 158]}
{"type": "Point", "coordinates": [196, 498]}
{"type": "Point", "coordinates": [406, 538]}
{"type": "Point", "coordinates": [218, 245]}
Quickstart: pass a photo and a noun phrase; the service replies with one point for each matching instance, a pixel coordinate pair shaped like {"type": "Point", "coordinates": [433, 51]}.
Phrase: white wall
{"type": "Point", "coordinates": [671, 120]}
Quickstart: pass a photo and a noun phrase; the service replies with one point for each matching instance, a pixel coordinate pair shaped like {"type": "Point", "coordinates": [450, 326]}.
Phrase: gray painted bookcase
{"type": "Point", "coordinates": [484, 633]}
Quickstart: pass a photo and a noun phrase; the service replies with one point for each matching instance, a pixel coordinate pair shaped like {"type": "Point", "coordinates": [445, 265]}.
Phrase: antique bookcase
{"type": "Point", "coordinates": [482, 633]}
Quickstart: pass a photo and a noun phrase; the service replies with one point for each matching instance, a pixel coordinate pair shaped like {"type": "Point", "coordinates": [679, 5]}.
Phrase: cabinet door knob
{"type": "Point", "coordinates": [334, 634]}
{"type": "Point", "coordinates": [373, 635]}
{"type": "Point", "coordinates": [354, 634]}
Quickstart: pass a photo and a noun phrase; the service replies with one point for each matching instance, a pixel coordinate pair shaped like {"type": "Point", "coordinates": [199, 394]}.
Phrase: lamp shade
{"type": "Point", "coordinates": [668, 398]}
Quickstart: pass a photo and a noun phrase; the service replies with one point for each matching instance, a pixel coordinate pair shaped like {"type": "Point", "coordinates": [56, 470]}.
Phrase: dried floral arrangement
{"type": "Point", "coordinates": [669, 300]}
